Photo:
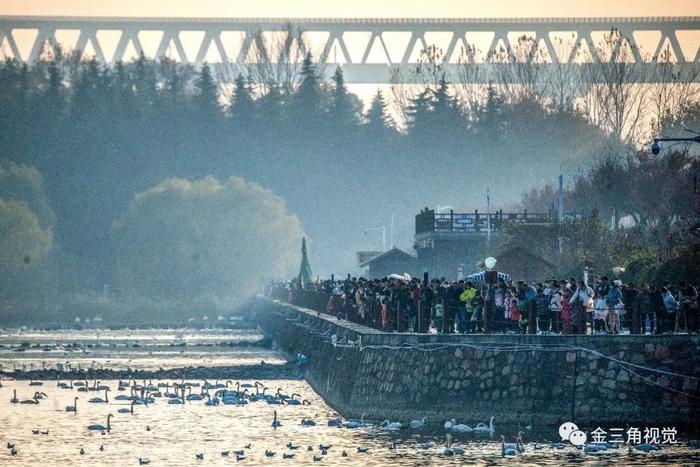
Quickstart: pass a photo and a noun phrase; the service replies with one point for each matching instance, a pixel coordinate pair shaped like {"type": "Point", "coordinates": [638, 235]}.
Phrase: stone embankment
{"type": "Point", "coordinates": [592, 380]}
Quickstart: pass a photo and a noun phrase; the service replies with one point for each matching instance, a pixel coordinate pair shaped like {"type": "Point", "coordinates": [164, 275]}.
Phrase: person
{"type": "Point", "coordinates": [565, 310]}
{"type": "Point", "coordinates": [466, 310]}
{"type": "Point", "coordinates": [629, 298]}
{"type": "Point", "coordinates": [555, 306]}
{"type": "Point", "coordinates": [688, 299]}
{"type": "Point", "coordinates": [513, 307]}
{"type": "Point", "coordinates": [476, 322]}
{"type": "Point", "coordinates": [579, 303]}
{"type": "Point", "coordinates": [542, 309]}
{"type": "Point", "coordinates": [615, 307]}
{"type": "Point", "coordinates": [659, 309]}
{"type": "Point", "coordinates": [427, 297]}
{"type": "Point", "coordinates": [599, 315]}
{"type": "Point", "coordinates": [671, 307]}
{"type": "Point", "coordinates": [500, 319]}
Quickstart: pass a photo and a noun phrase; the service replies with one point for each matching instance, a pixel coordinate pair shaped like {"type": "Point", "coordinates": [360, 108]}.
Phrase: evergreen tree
{"type": "Point", "coordinates": [308, 96]}
{"type": "Point", "coordinates": [418, 111]}
{"type": "Point", "coordinates": [377, 116]}
{"type": "Point", "coordinates": [241, 106]}
{"type": "Point", "coordinates": [344, 109]}
{"type": "Point", "coordinates": [206, 94]}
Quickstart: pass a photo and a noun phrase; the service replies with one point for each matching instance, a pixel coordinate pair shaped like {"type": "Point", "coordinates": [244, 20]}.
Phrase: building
{"type": "Point", "coordinates": [452, 245]}
{"type": "Point", "coordinates": [394, 261]}
{"type": "Point", "coordinates": [523, 264]}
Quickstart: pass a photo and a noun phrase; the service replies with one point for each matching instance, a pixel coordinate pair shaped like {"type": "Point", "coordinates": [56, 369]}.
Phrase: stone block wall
{"type": "Point", "coordinates": [592, 380]}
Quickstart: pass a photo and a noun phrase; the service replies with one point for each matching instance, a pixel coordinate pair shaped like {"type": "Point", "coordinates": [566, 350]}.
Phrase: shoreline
{"type": "Point", "coordinates": [239, 372]}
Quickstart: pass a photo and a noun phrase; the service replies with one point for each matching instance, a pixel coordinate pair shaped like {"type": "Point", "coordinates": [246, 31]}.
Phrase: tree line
{"type": "Point", "coordinates": [100, 135]}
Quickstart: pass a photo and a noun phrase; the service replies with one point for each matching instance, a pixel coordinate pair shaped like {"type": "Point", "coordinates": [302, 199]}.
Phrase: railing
{"type": "Point", "coordinates": [476, 222]}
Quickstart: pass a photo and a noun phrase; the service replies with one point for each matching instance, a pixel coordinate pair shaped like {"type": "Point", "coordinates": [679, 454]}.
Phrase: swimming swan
{"type": "Point", "coordinates": [74, 407]}
{"type": "Point", "coordinates": [417, 424]}
{"type": "Point", "coordinates": [482, 429]}
{"type": "Point", "coordinates": [98, 427]}
{"type": "Point", "coordinates": [275, 423]}
{"type": "Point", "coordinates": [459, 428]}
{"type": "Point", "coordinates": [99, 400]}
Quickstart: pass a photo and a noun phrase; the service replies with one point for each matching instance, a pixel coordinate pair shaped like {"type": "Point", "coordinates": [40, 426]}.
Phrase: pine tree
{"type": "Point", "coordinates": [241, 105]}
{"type": "Point", "coordinates": [305, 274]}
{"type": "Point", "coordinates": [418, 111]}
{"type": "Point", "coordinates": [206, 95]}
{"type": "Point", "coordinates": [378, 118]}
{"type": "Point", "coordinates": [308, 96]}
{"type": "Point", "coordinates": [343, 110]}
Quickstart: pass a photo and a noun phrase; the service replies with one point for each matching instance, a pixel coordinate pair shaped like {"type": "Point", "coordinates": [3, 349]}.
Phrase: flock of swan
{"type": "Point", "coordinates": [229, 393]}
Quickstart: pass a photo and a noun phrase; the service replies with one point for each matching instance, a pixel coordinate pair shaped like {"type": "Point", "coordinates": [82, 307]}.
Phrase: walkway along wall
{"type": "Point", "coordinates": [591, 380]}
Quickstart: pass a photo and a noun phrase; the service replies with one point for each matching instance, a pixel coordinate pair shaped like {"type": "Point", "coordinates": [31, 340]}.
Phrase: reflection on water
{"type": "Point", "coordinates": [135, 349]}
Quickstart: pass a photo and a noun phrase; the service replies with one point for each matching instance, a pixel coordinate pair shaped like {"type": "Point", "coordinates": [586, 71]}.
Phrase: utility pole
{"type": "Point", "coordinates": [561, 214]}
{"type": "Point", "coordinates": [488, 217]}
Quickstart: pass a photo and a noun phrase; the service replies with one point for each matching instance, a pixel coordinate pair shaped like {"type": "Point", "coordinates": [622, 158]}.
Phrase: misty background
{"type": "Point", "coordinates": [150, 184]}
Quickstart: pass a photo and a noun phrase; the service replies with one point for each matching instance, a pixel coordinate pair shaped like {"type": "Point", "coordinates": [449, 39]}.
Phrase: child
{"type": "Point", "coordinates": [599, 315]}
{"type": "Point", "coordinates": [513, 312]}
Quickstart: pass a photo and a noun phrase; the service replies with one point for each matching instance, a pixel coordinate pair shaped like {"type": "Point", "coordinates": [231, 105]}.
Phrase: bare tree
{"type": "Point", "coordinates": [615, 98]}
{"type": "Point", "coordinates": [561, 77]}
{"type": "Point", "coordinates": [519, 72]}
{"type": "Point", "coordinates": [674, 90]}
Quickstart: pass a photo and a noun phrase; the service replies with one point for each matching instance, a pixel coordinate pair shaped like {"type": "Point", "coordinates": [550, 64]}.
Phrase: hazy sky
{"type": "Point", "coordinates": [354, 8]}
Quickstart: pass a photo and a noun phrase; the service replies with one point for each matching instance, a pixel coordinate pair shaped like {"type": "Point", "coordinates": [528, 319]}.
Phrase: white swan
{"type": "Point", "coordinates": [355, 423]}
{"type": "Point", "coordinates": [98, 427]}
{"type": "Point", "coordinates": [391, 426]}
{"type": "Point", "coordinates": [417, 424]}
{"type": "Point", "coordinates": [99, 400]}
{"type": "Point", "coordinates": [74, 407]}
{"type": "Point", "coordinates": [275, 422]}
{"type": "Point", "coordinates": [482, 429]}
{"type": "Point", "coordinates": [129, 410]}
{"type": "Point", "coordinates": [511, 449]}
{"type": "Point", "coordinates": [458, 427]}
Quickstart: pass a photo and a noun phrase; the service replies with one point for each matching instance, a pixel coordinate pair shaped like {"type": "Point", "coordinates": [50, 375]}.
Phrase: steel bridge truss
{"type": "Point", "coordinates": [401, 68]}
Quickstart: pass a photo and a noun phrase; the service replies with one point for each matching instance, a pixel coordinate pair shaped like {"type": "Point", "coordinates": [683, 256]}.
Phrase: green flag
{"type": "Point", "coordinates": [305, 275]}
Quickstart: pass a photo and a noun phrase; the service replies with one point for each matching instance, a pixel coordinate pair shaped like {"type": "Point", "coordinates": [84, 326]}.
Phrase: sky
{"type": "Point", "coordinates": [355, 8]}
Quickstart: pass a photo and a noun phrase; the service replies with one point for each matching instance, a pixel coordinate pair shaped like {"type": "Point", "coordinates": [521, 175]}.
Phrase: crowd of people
{"type": "Point", "coordinates": [567, 306]}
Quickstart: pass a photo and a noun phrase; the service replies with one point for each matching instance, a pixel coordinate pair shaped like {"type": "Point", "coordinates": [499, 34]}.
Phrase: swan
{"type": "Point", "coordinates": [646, 447]}
{"type": "Point", "coordinates": [417, 424]}
{"type": "Point", "coordinates": [512, 449]}
{"type": "Point", "coordinates": [307, 422]}
{"type": "Point", "coordinates": [288, 456]}
{"type": "Point", "coordinates": [275, 422]}
{"type": "Point", "coordinates": [98, 427]}
{"type": "Point", "coordinates": [200, 455]}
{"type": "Point", "coordinates": [291, 446]}
{"type": "Point", "coordinates": [74, 407]}
{"type": "Point", "coordinates": [325, 447]}
{"type": "Point", "coordinates": [292, 401]}
{"type": "Point", "coordinates": [269, 453]}
{"type": "Point", "coordinates": [391, 426]}
{"type": "Point", "coordinates": [335, 422]}
{"type": "Point", "coordinates": [362, 450]}
{"type": "Point", "coordinates": [14, 399]}
{"type": "Point", "coordinates": [355, 423]}
{"type": "Point", "coordinates": [34, 400]}
{"type": "Point", "coordinates": [143, 461]}
{"type": "Point", "coordinates": [318, 458]}
{"type": "Point", "coordinates": [482, 429]}
{"type": "Point", "coordinates": [99, 400]}
{"type": "Point", "coordinates": [458, 427]}
{"type": "Point", "coordinates": [129, 410]}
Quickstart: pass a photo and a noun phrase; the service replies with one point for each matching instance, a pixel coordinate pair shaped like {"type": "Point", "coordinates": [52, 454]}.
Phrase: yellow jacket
{"type": "Point", "coordinates": [468, 295]}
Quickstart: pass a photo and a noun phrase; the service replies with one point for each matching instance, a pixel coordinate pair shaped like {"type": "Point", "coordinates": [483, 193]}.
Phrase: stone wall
{"type": "Point", "coordinates": [516, 378]}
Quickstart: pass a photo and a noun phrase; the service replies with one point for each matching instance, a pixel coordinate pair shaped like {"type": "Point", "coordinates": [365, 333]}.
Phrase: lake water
{"type": "Point", "coordinates": [172, 435]}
